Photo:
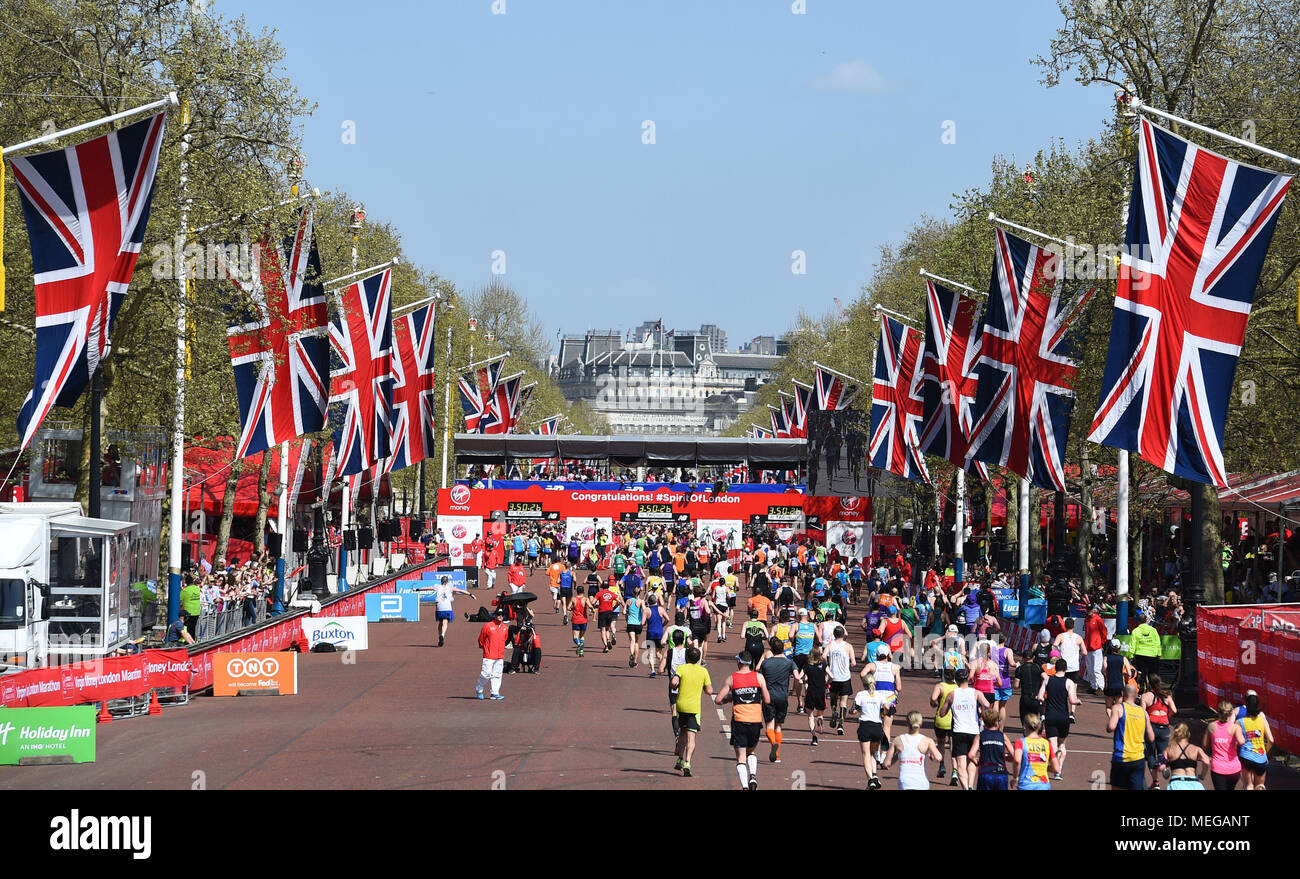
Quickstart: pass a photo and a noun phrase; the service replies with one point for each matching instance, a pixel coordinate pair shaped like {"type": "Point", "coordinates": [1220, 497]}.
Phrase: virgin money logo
{"type": "Point", "coordinates": [459, 532]}
{"type": "Point", "coordinates": [850, 503]}
{"type": "Point", "coordinates": [460, 494]}
{"type": "Point", "coordinates": [849, 538]}
{"type": "Point", "coordinates": [589, 533]}
{"type": "Point", "coordinates": [719, 534]}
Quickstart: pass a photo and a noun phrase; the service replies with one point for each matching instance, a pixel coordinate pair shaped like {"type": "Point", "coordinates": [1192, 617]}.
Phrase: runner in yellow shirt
{"type": "Point", "coordinates": [691, 681]}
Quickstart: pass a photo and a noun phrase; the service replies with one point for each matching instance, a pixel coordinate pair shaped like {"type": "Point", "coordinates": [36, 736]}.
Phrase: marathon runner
{"type": "Point", "coordinates": [756, 636]}
{"type": "Point", "coordinates": [867, 704]}
{"type": "Point", "coordinates": [566, 592]}
{"type": "Point", "coordinates": [991, 753]}
{"type": "Point", "coordinates": [654, 632]}
{"type": "Point", "coordinates": [1058, 697]}
{"type": "Point", "coordinates": [636, 611]}
{"type": "Point", "coordinates": [690, 681]}
{"type": "Point", "coordinates": [553, 573]}
{"type": "Point", "coordinates": [721, 613]}
{"type": "Point", "coordinates": [579, 616]}
{"type": "Point", "coordinates": [840, 665]}
{"type": "Point", "coordinates": [1129, 723]}
{"type": "Point", "coordinates": [909, 750]}
{"type": "Point", "coordinates": [964, 704]}
{"type": "Point", "coordinates": [943, 723]}
{"type": "Point", "coordinates": [1035, 757]}
{"type": "Point", "coordinates": [776, 669]}
{"type": "Point", "coordinates": [747, 691]}
{"type": "Point", "coordinates": [889, 681]}
{"type": "Point", "coordinates": [606, 600]}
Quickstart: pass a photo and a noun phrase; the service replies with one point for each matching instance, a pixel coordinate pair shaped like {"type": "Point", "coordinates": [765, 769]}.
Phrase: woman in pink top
{"type": "Point", "coordinates": [1222, 739]}
{"type": "Point", "coordinates": [986, 673]}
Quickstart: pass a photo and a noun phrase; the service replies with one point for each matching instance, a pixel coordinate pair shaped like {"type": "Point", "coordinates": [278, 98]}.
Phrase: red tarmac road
{"type": "Point", "coordinates": [404, 715]}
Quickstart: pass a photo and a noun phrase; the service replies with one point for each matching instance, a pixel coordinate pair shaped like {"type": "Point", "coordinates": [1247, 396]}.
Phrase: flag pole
{"type": "Point", "coordinates": [446, 413]}
{"type": "Point", "coordinates": [414, 305]}
{"type": "Point", "coordinates": [345, 508]}
{"type": "Point", "coordinates": [395, 261]}
{"type": "Point", "coordinates": [1023, 538]}
{"type": "Point", "coordinates": [168, 101]}
{"type": "Point", "coordinates": [999, 221]}
{"type": "Point", "coordinates": [177, 502]}
{"type": "Point", "coordinates": [901, 317]}
{"type": "Point", "coordinates": [309, 195]}
{"type": "Point", "coordinates": [836, 372]}
{"type": "Point", "coordinates": [282, 521]}
{"type": "Point", "coordinates": [959, 535]}
{"type": "Point", "coordinates": [951, 283]}
{"type": "Point", "coordinates": [473, 365]}
{"type": "Point", "coordinates": [1136, 105]}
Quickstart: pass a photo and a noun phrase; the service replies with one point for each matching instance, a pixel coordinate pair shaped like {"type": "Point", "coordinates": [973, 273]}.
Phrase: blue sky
{"type": "Point", "coordinates": [774, 132]}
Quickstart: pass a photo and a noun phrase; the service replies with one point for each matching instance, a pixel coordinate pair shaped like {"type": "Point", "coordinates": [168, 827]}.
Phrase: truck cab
{"type": "Point", "coordinates": [64, 585]}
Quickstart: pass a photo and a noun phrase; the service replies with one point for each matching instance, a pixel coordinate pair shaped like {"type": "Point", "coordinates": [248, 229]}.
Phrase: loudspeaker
{"type": "Point", "coordinates": [186, 562]}
{"type": "Point", "coordinates": [350, 540]}
{"type": "Point", "coordinates": [301, 540]}
{"type": "Point", "coordinates": [274, 544]}
{"type": "Point", "coordinates": [365, 537]}
{"type": "Point", "coordinates": [417, 527]}
{"type": "Point", "coordinates": [1006, 559]}
{"type": "Point", "coordinates": [384, 530]}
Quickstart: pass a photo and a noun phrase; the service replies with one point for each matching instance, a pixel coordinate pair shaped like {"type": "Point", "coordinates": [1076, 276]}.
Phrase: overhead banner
{"type": "Point", "coordinates": [345, 633]}
{"type": "Point", "coordinates": [401, 606]}
{"type": "Point", "coordinates": [233, 673]}
{"type": "Point", "coordinates": [526, 511]}
{"type": "Point", "coordinates": [655, 512]}
{"type": "Point", "coordinates": [851, 539]}
{"type": "Point", "coordinates": [667, 506]}
{"type": "Point", "coordinates": [47, 735]}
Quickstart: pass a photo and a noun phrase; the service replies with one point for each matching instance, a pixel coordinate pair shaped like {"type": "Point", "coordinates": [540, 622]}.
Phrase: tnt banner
{"type": "Point", "coordinates": [47, 735]}
{"type": "Point", "coordinates": [724, 531]}
{"type": "Point", "coordinates": [345, 633]}
{"type": "Point", "coordinates": [851, 539]}
{"type": "Point", "coordinates": [273, 673]}
{"type": "Point", "coordinates": [400, 606]}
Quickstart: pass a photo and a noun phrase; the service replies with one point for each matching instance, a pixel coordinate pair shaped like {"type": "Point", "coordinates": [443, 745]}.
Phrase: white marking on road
{"type": "Point", "coordinates": [722, 718]}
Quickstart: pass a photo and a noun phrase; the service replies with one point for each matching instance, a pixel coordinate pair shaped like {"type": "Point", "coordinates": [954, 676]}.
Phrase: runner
{"type": "Point", "coordinates": [776, 669]}
{"type": "Point", "coordinates": [1159, 705]}
{"type": "Point", "coordinates": [1035, 758]}
{"type": "Point", "coordinates": [606, 600]}
{"type": "Point", "coordinates": [1259, 738]}
{"type": "Point", "coordinates": [1058, 697]}
{"type": "Point", "coordinates": [747, 691]}
{"type": "Point", "coordinates": [445, 594]}
{"type": "Point", "coordinates": [1005, 660]}
{"type": "Point", "coordinates": [910, 750]}
{"type": "Point", "coordinates": [654, 632]}
{"type": "Point", "coordinates": [579, 615]}
{"type": "Point", "coordinates": [1223, 740]}
{"type": "Point", "coordinates": [840, 665]}
{"type": "Point", "coordinates": [1072, 648]}
{"type": "Point", "coordinates": [815, 685]}
{"type": "Point", "coordinates": [1116, 672]}
{"type": "Point", "coordinates": [534, 549]}
{"type": "Point", "coordinates": [985, 672]}
{"type": "Point", "coordinates": [721, 613]}
{"type": "Point", "coordinates": [1128, 722]}
{"type": "Point", "coordinates": [566, 591]}
{"type": "Point", "coordinates": [756, 636]}
{"type": "Point", "coordinates": [635, 607]}
{"type": "Point", "coordinates": [1183, 760]}
{"type": "Point", "coordinates": [553, 572]}
{"type": "Point", "coordinates": [964, 704]}
{"type": "Point", "coordinates": [673, 657]}
{"type": "Point", "coordinates": [867, 704]}
{"type": "Point", "coordinates": [943, 722]}
{"type": "Point", "coordinates": [889, 681]}
{"type": "Point", "coordinates": [991, 752]}
{"type": "Point", "coordinates": [690, 681]}
{"type": "Point", "coordinates": [699, 612]}
{"type": "Point", "coordinates": [1029, 678]}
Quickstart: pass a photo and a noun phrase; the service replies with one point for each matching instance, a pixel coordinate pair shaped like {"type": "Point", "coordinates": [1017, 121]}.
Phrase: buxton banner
{"type": "Point", "coordinates": [345, 633]}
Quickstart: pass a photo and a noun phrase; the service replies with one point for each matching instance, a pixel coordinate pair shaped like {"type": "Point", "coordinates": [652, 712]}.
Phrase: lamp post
{"type": "Point", "coordinates": [318, 556]}
{"type": "Point", "coordinates": [358, 220]}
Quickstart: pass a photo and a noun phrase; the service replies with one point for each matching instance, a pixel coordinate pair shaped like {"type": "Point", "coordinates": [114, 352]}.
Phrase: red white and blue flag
{"type": "Point", "coordinates": [361, 398]}
{"type": "Point", "coordinates": [504, 408]}
{"type": "Point", "coordinates": [761, 432]}
{"type": "Point", "coordinates": [476, 393]}
{"type": "Point", "coordinates": [414, 389]}
{"type": "Point", "coordinates": [896, 404]}
{"type": "Point", "coordinates": [833, 390]}
{"type": "Point", "coordinates": [1024, 369]}
{"type": "Point", "coordinates": [86, 208]}
{"type": "Point", "coordinates": [550, 426]}
{"type": "Point", "coordinates": [1199, 226]}
{"type": "Point", "coordinates": [947, 385]}
{"type": "Point", "coordinates": [780, 422]}
{"type": "Point", "coordinates": [805, 401]}
{"type": "Point", "coordinates": [278, 338]}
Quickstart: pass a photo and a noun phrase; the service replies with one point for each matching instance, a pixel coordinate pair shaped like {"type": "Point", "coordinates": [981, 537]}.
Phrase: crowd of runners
{"type": "Point", "coordinates": [783, 610]}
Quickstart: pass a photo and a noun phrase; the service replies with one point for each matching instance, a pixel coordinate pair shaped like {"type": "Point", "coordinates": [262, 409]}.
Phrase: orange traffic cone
{"type": "Point", "coordinates": [154, 707]}
{"type": "Point", "coordinates": [104, 716]}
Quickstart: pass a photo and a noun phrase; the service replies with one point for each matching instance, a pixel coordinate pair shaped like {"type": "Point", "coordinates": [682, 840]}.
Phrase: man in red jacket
{"type": "Point", "coordinates": [1095, 637]}
{"type": "Point", "coordinates": [492, 640]}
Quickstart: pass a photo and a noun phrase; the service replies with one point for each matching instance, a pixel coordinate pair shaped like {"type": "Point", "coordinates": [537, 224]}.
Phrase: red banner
{"type": "Point", "coordinates": [1234, 656]}
{"type": "Point", "coordinates": [167, 668]}
{"type": "Point", "coordinates": [536, 504]}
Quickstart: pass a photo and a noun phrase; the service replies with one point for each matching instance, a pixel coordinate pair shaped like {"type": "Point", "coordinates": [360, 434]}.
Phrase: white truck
{"type": "Point", "coordinates": [64, 585]}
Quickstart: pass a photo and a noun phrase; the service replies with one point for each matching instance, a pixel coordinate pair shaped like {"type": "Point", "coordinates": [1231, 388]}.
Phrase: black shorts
{"type": "Point", "coordinates": [870, 731]}
{"type": "Point", "coordinates": [731, 601]}
{"type": "Point", "coordinates": [689, 721]}
{"type": "Point", "coordinates": [700, 633]}
{"type": "Point", "coordinates": [1058, 727]}
{"type": "Point", "coordinates": [801, 661]}
{"type": "Point", "coordinates": [633, 630]}
{"type": "Point", "coordinates": [815, 701]}
{"type": "Point", "coordinates": [842, 688]}
{"type": "Point", "coordinates": [776, 710]}
{"type": "Point", "coordinates": [745, 735]}
{"type": "Point", "coordinates": [605, 619]}
{"type": "Point", "coordinates": [961, 743]}
{"type": "Point", "coordinates": [658, 642]}
{"type": "Point", "coordinates": [566, 591]}
{"type": "Point", "coordinates": [1114, 692]}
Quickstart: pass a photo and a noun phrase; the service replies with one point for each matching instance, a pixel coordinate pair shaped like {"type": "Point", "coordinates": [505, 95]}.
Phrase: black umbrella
{"type": "Point", "coordinates": [517, 598]}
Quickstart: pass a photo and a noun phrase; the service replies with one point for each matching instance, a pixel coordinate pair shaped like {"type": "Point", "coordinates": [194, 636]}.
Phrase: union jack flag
{"type": "Point", "coordinates": [86, 208]}
{"type": "Point", "coordinates": [550, 426]}
{"type": "Point", "coordinates": [298, 467]}
{"type": "Point", "coordinates": [805, 399]}
{"type": "Point", "coordinates": [896, 405]}
{"type": "Point", "coordinates": [1199, 226]}
{"type": "Point", "coordinates": [947, 386]}
{"type": "Point", "coordinates": [525, 395]}
{"type": "Point", "coordinates": [476, 393]}
{"type": "Point", "coordinates": [833, 391]}
{"type": "Point", "coordinates": [1023, 399]}
{"type": "Point", "coordinates": [414, 389]}
{"type": "Point", "coordinates": [362, 394]}
{"type": "Point", "coordinates": [780, 422]}
{"type": "Point", "coordinates": [504, 408]}
{"type": "Point", "coordinates": [762, 432]}
{"type": "Point", "coordinates": [278, 341]}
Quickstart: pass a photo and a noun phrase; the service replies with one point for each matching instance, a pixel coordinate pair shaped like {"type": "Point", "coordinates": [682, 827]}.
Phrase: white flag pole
{"type": "Point", "coordinates": [951, 283]}
{"type": "Point", "coordinates": [282, 521]}
{"type": "Point", "coordinates": [959, 535]}
{"type": "Point", "coordinates": [355, 273]}
{"type": "Point", "coordinates": [1136, 105]}
{"type": "Point", "coordinates": [163, 103]}
{"type": "Point", "coordinates": [178, 494]}
{"type": "Point", "coordinates": [1023, 535]}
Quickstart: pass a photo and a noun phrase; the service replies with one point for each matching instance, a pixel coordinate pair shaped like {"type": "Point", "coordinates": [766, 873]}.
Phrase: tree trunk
{"type": "Point", "coordinates": [263, 504]}
{"type": "Point", "coordinates": [1035, 535]}
{"type": "Point", "coordinates": [227, 513]}
{"type": "Point", "coordinates": [1210, 544]}
{"type": "Point", "coordinates": [1012, 488]}
{"type": "Point", "coordinates": [1084, 543]}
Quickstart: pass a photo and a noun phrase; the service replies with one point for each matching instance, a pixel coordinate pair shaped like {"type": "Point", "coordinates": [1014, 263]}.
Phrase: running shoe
{"type": "Point", "coordinates": [564, 619]}
{"type": "Point", "coordinates": [478, 694]}
{"type": "Point", "coordinates": [874, 783]}
{"type": "Point", "coordinates": [814, 740]}
{"type": "Point", "coordinates": [753, 783]}
{"type": "Point", "coordinates": [654, 674]}
{"type": "Point", "coordinates": [440, 640]}
{"type": "Point", "coordinates": [839, 731]}
{"type": "Point", "coordinates": [1057, 777]}
{"type": "Point", "coordinates": [800, 710]}
{"type": "Point", "coordinates": [686, 770]}
{"type": "Point", "coordinates": [581, 652]}
{"type": "Point", "coordinates": [939, 775]}
{"type": "Point", "coordinates": [613, 640]}
{"type": "Point", "coordinates": [631, 662]}
{"type": "Point", "coordinates": [497, 697]}
{"type": "Point", "coordinates": [953, 783]}
{"type": "Point", "coordinates": [771, 758]}
{"type": "Point", "coordinates": [678, 765]}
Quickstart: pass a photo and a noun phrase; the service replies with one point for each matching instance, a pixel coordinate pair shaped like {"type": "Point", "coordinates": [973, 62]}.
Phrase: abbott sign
{"type": "Point", "coordinates": [233, 673]}
{"type": "Point", "coordinates": [393, 606]}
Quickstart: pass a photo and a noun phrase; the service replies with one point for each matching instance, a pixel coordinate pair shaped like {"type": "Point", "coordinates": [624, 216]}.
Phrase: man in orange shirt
{"type": "Point", "coordinates": [554, 572]}
{"type": "Point", "coordinates": [492, 641]}
{"type": "Point", "coordinates": [762, 604]}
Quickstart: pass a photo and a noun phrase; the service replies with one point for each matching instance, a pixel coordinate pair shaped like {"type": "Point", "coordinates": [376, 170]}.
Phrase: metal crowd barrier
{"type": "Point", "coordinates": [230, 619]}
